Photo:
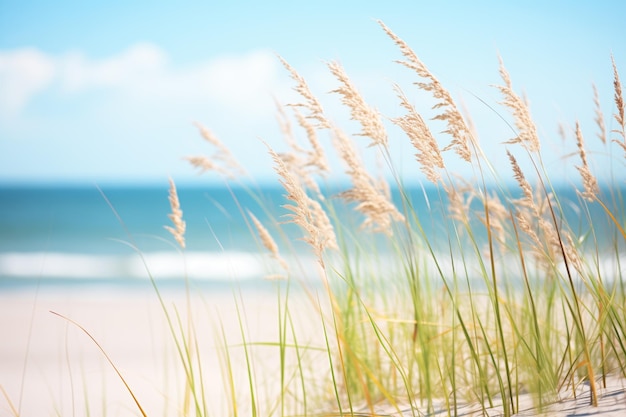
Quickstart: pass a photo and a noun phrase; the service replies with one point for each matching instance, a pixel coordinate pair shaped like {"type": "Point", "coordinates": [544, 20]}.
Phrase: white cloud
{"type": "Point", "coordinates": [78, 73]}
{"type": "Point", "coordinates": [23, 73]}
{"type": "Point", "coordinates": [141, 73]}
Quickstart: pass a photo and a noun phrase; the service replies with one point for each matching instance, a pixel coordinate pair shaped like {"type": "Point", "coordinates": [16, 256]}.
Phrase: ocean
{"type": "Point", "coordinates": [115, 235]}
{"type": "Point", "coordinates": [77, 235]}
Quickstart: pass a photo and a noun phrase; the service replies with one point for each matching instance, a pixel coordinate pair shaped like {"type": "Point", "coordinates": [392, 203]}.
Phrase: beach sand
{"type": "Point", "coordinates": [50, 367]}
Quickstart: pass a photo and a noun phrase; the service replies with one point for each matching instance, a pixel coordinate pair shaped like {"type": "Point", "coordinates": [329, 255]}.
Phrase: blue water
{"type": "Point", "coordinates": [79, 235]}
{"type": "Point", "coordinates": [83, 234]}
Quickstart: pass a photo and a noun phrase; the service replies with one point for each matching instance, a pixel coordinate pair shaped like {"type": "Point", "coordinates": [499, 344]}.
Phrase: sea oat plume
{"type": "Point", "coordinates": [620, 107]}
{"type": "Point", "coordinates": [590, 183]}
{"type": "Point", "coordinates": [599, 116]}
{"type": "Point", "coordinates": [303, 162]}
{"type": "Point", "coordinates": [222, 160]}
{"type": "Point", "coordinates": [311, 103]}
{"type": "Point", "coordinates": [267, 240]}
{"type": "Point", "coordinates": [371, 199]}
{"type": "Point", "coordinates": [369, 118]}
{"type": "Point", "coordinates": [176, 216]}
{"type": "Point", "coordinates": [306, 212]}
{"type": "Point", "coordinates": [203, 164]}
{"type": "Point", "coordinates": [316, 157]}
{"type": "Point", "coordinates": [208, 135]}
{"type": "Point", "coordinates": [428, 154]}
{"type": "Point", "coordinates": [521, 180]}
{"type": "Point", "coordinates": [527, 136]}
{"type": "Point", "coordinates": [457, 128]}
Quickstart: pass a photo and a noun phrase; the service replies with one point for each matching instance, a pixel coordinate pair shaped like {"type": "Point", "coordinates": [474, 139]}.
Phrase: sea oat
{"type": "Point", "coordinates": [204, 164]}
{"type": "Point", "coordinates": [306, 212]}
{"type": "Point", "coordinates": [620, 108]}
{"type": "Point", "coordinates": [369, 118]}
{"type": "Point", "coordinates": [284, 124]}
{"type": "Point", "coordinates": [311, 103]}
{"type": "Point", "coordinates": [528, 212]}
{"type": "Point", "coordinates": [298, 168]}
{"type": "Point", "coordinates": [521, 180]}
{"type": "Point", "coordinates": [498, 216]}
{"type": "Point", "coordinates": [525, 226]}
{"type": "Point", "coordinates": [527, 136]}
{"type": "Point", "coordinates": [371, 200]}
{"type": "Point", "coordinates": [221, 161]}
{"type": "Point", "coordinates": [316, 157]}
{"type": "Point", "coordinates": [176, 216]}
{"type": "Point", "coordinates": [268, 241]}
{"type": "Point", "coordinates": [534, 216]}
{"type": "Point", "coordinates": [428, 154]}
{"type": "Point", "coordinates": [458, 205]}
{"type": "Point", "coordinates": [301, 162]}
{"type": "Point", "coordinates": [590, 184]}
{"type": "Point", "coordinates": [457, 128]}
{"type": "Point", "coordinates": [599, 116]}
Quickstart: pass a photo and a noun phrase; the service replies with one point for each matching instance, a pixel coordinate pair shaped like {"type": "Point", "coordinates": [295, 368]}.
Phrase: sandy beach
{"type": "Point", "coordinates": [50, 367]}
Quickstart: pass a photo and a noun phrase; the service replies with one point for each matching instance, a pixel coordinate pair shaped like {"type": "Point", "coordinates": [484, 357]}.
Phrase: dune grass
{"type": "Point", "coordinates": [511, 295]}
{"type": "Point", "coordinates": [498, 293]}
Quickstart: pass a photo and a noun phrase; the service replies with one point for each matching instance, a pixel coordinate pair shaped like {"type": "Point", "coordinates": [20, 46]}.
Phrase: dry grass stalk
{"type": "Point", "coordinates": [204, 164]}
{"type": "Point", "coordinates": [533, 216]}
{"type": "Point", "coordinates": [306, 212]}
{"type": "Point", "coordinates": [498, 217]}
{"type": "Point", "coordinates": [519, 176]}
{"type": "Point", "coordinates": [369, 118]}
{"type": "Point", "coordinates": [620, 107]}
{"type": "Point", "coordinates": [428, 154]}
{"type": "Point", "coordinates": [284, 124]}
{"type": "Point", "coordinates": [521, 113]}
{"type": "Point", "coordinates": [267, 241]}
{"type": "Point", "coordinates": [303, 162]}
{"type": "Point", "coordinates": [528, 213]}
{"type": "Point", "coordinates": [176, 216]}
{"type": "Point", "coordinates": [590, 184]}
{"type": "Point", "coordinates": [372, 199]}
{"type": "Point", "coordinates": [599, 116]}
{"type": "Point", "coordinates": [316, 157]}
{"type": "Point", "coordinates": [311, 103]}
{"type": "Point", "coordinates": [221, 161]}
{"type": "Point", "coordinates": [298, 169]}
{"type": "Point", "coordinates": [457, 128]}
{"type": "Point", "coordinates": [459, 200]}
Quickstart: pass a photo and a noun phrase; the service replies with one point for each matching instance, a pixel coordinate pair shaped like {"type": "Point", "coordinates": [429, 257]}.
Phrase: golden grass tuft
{"type": "Point", "coordinates": [369, 195]}
{"type": "Point", "coordinates": [268, 241]}
{"type": "Point", "coordinates": [306, 212]}
{"type": "Point", "coordinates": [428, 153]}
{"type": "Point", "coordinates": [176, 216]}
{"type": "Point", "coordinates": [620, 107]}
{"type": "Point", "coordinates": [527, 136]}
{"type": "Point", "coordinates": [221, 161]}
{"type": "Point", "coordinates": [590, 183]}
{"type": "Point", "coordinates": [369, 118]}
{"type": "Point", "coordinates": [311, 103]}
{"type": "Point", "coordinates": [457, 128]}
{"type": "Point", "coordinates": [599, 116]}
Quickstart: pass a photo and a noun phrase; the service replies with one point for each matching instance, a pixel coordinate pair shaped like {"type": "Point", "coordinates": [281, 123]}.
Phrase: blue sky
{"type": "Point", "coordinates": [108, 91]}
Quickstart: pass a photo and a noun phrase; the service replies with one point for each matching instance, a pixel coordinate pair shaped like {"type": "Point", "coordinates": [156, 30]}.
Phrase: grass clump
{"type": "Point", "coordinates": [504, 288]}
{"type": "Point", "coordinates": [457, 295]}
